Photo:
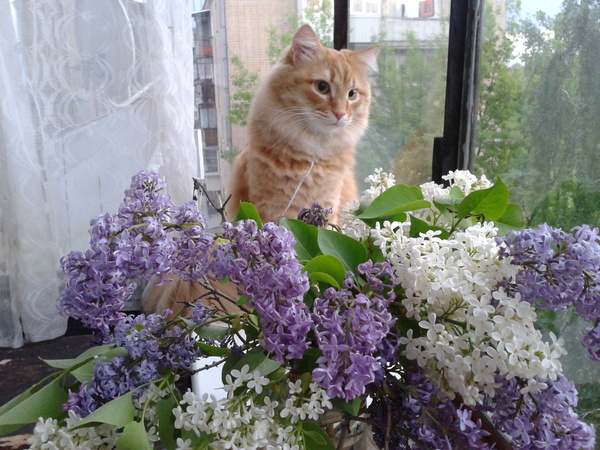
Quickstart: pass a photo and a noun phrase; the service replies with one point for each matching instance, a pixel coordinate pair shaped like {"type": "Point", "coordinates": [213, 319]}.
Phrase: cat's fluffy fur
{"type": "Point", "coordinates": [304, 125]}
{"type": "Point", "coordinates": [306, 118]}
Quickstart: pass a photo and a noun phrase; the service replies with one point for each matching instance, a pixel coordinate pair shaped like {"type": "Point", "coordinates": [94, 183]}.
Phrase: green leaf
{"type": "Point", "coordinates": [247, 211]}
{"type": "Point", "coordinates": [511, 220]}
{"type": "Point", "coordinates": [418, 226]}
{"type": "Point", "coordinates": [89, 353]}
{"type": "Point", "coordinates": [308, 363]}
{"type": "Point", "coordinates": [211, 350]}
{"type": "Point", "coordinates": [315, 437]}
{"type": "Point", "coordinates": [323, 266]}
{"type": "Point", "coordinates": [307, 246]}
{"type": "Point", "coordinates": [118, 412]}
{"type": "Point", "coordinates": [349, 251]}
{"type": "Point", "coordinates": [490, 203]}
{"type": "Point", "coordinates": [352, 407]}
{"type": "Point", "coordinates": [166, 428]}
{"type": "Point", "coordinates": [447, 205]}
{"type": "Point", "coordinates": [212, 331]}
{"type": "Point", "coordinates": [397, 199]}
{"type": "Point", "coordinates": [242, 301]}
{"type": "Point", "coordinates": [34, 403]}
{"type": "Point", "coordinates": [252, 327]}
{"type": "Point", "coordinates": [324, 278]}
{"type": "Point", "coordinates": [456, 193]}
{"type": "Point", "coordinates": [134, 437]}
{"type": "Point", "coordinates": [85, 372]}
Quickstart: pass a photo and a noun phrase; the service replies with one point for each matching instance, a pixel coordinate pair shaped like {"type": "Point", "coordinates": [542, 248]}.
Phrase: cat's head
{"type": "Point", "coordinates": [323, 91]}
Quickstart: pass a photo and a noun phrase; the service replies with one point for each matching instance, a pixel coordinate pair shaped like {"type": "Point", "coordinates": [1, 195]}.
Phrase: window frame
{"type": "Point", "coordinates": [455, 149]}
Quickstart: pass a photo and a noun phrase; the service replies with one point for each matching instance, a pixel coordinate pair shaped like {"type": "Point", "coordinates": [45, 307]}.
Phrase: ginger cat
{"type": "Point", "coordinates": [304, 125]}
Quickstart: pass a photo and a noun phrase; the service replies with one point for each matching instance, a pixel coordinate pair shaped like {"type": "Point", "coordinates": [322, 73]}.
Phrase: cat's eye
{"type": "Point", "coordinates": [322, 87]}
{"type": "Point", "coordinates": [352, 94]}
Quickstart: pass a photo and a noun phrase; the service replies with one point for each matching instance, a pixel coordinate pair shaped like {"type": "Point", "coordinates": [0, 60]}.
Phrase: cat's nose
{"type": "Point", "coordinates": [339, 115]}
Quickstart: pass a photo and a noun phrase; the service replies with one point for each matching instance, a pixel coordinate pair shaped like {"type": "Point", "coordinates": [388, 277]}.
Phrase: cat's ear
{"type": "Point", "coordinates": [305, 46]}
{"type": "Point", "coordinates": [367, 57]}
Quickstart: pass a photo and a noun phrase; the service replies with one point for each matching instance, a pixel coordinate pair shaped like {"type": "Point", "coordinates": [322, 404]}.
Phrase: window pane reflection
{"type": "Point", "coordinates": [539, 129]}
{"type": "Point", "coordinates": [408, 89]}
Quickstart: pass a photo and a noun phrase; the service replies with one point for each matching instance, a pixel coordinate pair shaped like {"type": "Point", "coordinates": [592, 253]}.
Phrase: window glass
{"type": "Point", "coordinates": [539, 129]}
{"type": "Point", "coordinates": [365, 7]}
{"type": "Point", "coordinates": [407, 109]}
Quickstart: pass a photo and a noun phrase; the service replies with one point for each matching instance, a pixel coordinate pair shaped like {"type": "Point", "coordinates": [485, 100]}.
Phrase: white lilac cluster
{"type": "Point", "coordinates": [468, 329]}
{"type": "Point", "coordinates": [251, 419]}
{"type": "Point", "coordinates": [461, 179]}
{"type": "Point", "coordinates": [48, 434]}
{"type": "Point", "coordinates": [378, 182]}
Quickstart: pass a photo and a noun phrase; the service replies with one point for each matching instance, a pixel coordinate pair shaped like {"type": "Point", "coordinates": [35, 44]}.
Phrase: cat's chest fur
{"type": "Point", "coordinates": [284, 179]}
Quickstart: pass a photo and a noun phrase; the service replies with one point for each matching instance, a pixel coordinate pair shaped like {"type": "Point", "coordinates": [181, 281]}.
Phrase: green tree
{"type": "Point", "coordinates": [539, 128]}
{"type": "Point", "coordinates": [318, 14]}
{"type": "Point", "coordinates": [244, 84]}
{"type": "Point", "coordinates": [561, 104]}
{"type": "Point", "coordinates": [406, 111]}
{"type": "Point", "coordinates": [500, 137]}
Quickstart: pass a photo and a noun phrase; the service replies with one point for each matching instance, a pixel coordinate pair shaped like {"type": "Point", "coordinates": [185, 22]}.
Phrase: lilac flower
{"type": "Point", "coordinates": [96, 290]}
{"type": "Point", "coordinates": [264, 265]}
{"type": "Point", "coordinates": [148, 338]}
{"type": "Point", "coordinates": [200, 314]}
{"type": "Point", "coordinates": [420, 419]}
{"type": "Point", "coordinates": [350, 328]}
{"type": "Point", "coordinates": [82, 402]}
{"type": "Point", "coordinates": [542, 420]}
{"type": "Point", "coordinates": [463, 418]}
{"type": "Point", "coordinates": [559, 270]}
{"type": "Point", "coordinates": [146, 197]}
{"type": "Point", "coordinates": [131, 246]}
{"type": "Point", "coordinates": [192, 244]}
{"type": "Point", "coordinates": [591, 341]}
{"type": "Point", "coordinates": [315, 215]}
{"type": "Point", "coordinates": [152, 347]}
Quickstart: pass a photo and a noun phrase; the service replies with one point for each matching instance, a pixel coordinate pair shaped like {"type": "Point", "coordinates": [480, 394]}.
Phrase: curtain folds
{"type": "Point", "coordinates": [91, 92]}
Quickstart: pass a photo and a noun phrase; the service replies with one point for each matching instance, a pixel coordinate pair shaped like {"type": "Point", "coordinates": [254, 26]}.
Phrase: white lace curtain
{"type": "Point", "coordinates": [91, 92]}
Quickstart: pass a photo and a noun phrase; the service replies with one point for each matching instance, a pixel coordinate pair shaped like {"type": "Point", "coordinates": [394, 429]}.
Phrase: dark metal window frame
{"type": "Point", "coordinates": [455, 149]}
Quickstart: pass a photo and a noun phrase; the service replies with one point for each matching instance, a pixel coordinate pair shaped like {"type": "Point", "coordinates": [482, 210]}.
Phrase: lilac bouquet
{"type": "Point", "coordinates": [413, 325]}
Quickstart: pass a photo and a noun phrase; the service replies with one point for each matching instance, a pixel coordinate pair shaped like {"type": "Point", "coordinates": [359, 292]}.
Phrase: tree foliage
{"type": "Point", "coordinates": [406, 110]}
{"type": "Point", "coordinates": [244, 84]}
{"type": "Point", "coordinates": [538, 119]}
{"type": "Point", "coordinates": [318, 14]}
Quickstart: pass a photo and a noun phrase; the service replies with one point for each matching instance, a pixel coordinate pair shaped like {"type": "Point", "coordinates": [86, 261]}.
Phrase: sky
{"type": "Point", "coordinates": [550, 7]}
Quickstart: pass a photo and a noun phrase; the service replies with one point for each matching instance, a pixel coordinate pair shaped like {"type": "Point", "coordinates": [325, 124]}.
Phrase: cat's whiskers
{"type": "Point", "coordinates": [294, 134]}
{"type": "Point", "coordinates": [294, 115]}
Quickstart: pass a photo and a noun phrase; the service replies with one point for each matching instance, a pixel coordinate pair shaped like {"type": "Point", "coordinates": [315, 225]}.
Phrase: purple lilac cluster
{"type": "Point", "coordinates": [315, 215]}
{"type": "Point", "coordinates": [560, 270]}
{"type": "Point", "coordinates": [130, 246]}
{"type": "Point", "coordinates": [264, 265]}
{"type": "Point", "coordinates": [192, 244]}
{"type": "Point", "coordinates": [152, 348]}
{"type": "Point", "coordinates": [146, 196]}
{"type": "Point", "coordinates": [542, 420]}
{"type": "Point", "coordinates": [350, 329]}
{"type": "Point", "coordinates": [409, 414]}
